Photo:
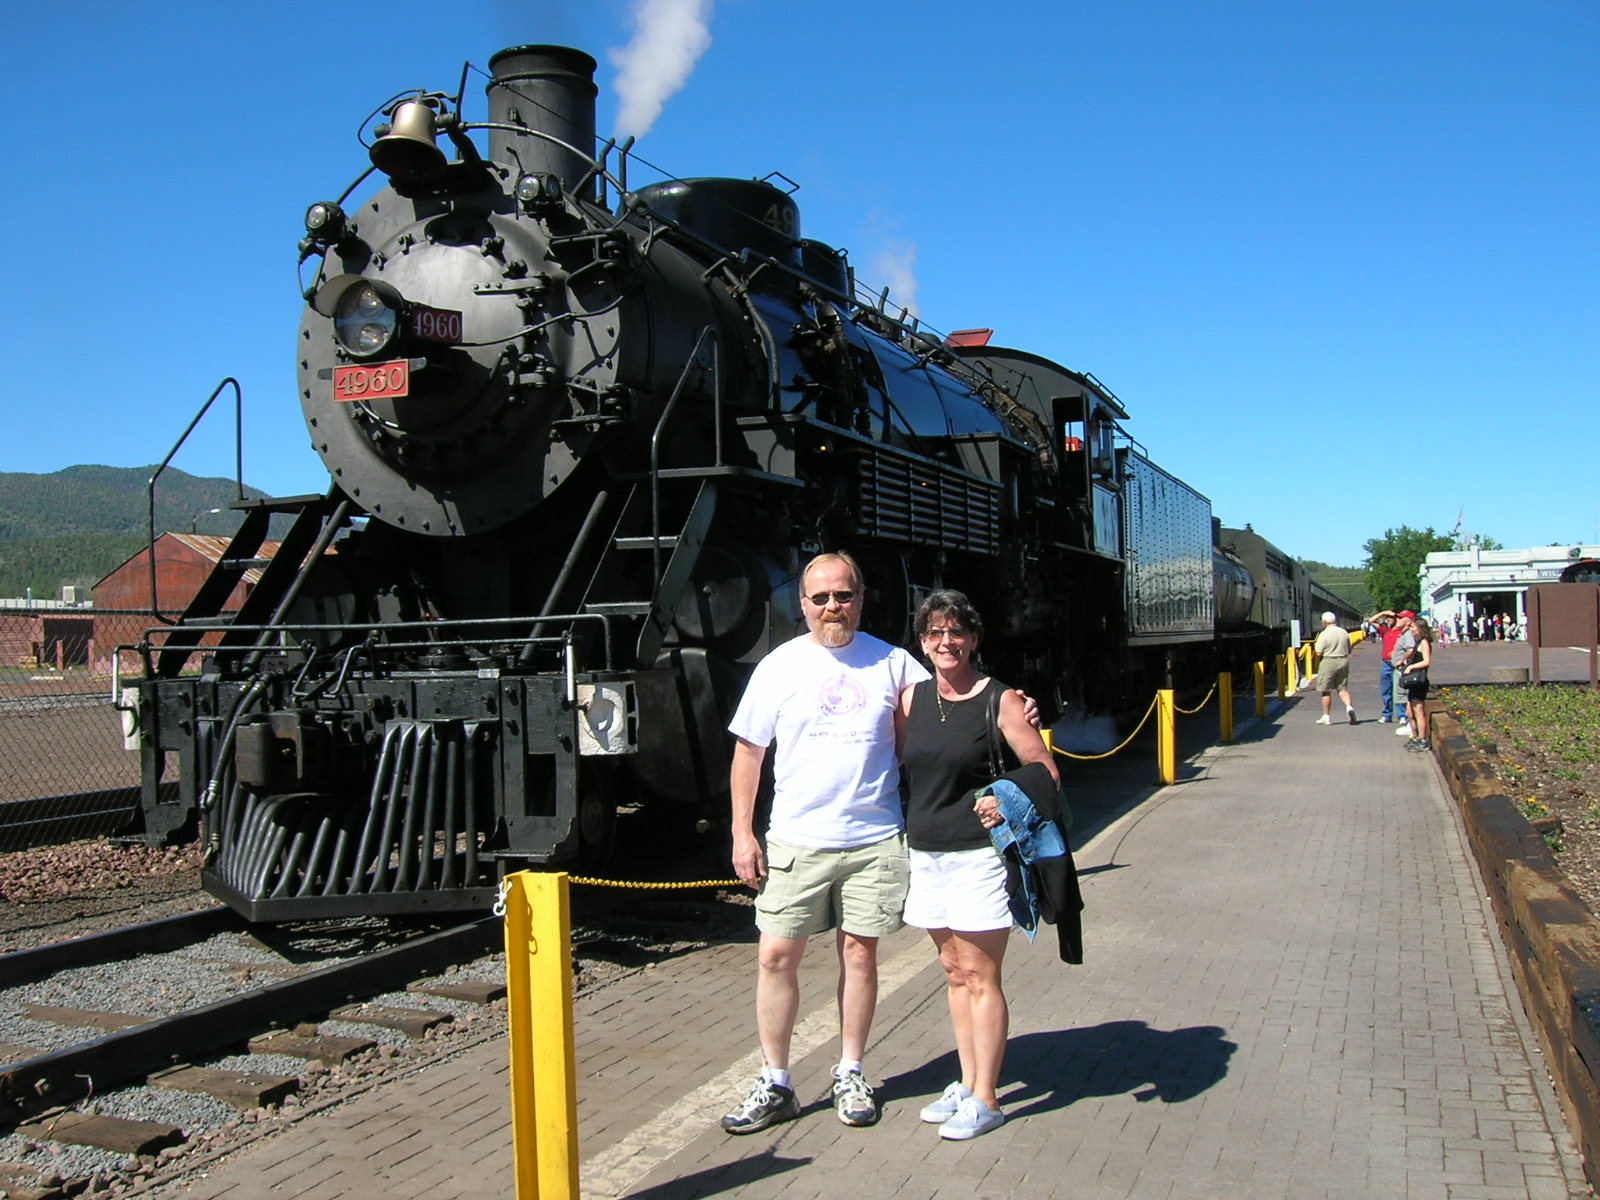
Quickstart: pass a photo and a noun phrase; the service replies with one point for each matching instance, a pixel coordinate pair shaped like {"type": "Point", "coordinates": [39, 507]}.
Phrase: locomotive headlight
{"type": "Point", "coordinates": [325, 222]}
{"type": "Point", "coordinates": [362, 322]}
{"type": "Point", "coordinates": [538, 191]}
{"type": "Point", "coordinates": [366, 313]}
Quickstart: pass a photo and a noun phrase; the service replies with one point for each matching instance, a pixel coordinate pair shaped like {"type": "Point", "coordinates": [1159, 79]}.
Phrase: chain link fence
{"type": "Point", "coordinates": [65, 772]}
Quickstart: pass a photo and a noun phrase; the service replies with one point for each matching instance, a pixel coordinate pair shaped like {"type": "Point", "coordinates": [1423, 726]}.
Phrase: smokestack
{"type": "Point", "coordinates": [550, 89]}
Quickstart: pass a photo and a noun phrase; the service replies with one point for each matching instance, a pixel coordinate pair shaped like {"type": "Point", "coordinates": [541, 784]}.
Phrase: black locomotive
{"type": "Point", "coordinates": [579, 452]}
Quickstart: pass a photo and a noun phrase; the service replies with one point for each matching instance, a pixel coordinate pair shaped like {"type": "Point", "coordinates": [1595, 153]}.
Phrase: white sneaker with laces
{"type": "Point", "coordinates": [767, 1104]}
{"type": "Point", "coordinates": [946, 1106]}
{"type": "Point", "coordinates": [1324, 719]}
{"type": "Point", "coordinates": [852, 1099]}
{"type": "Point", "coordinates": [1404, 730]}
{"type": "Point", "coordinates": [973, 1119]}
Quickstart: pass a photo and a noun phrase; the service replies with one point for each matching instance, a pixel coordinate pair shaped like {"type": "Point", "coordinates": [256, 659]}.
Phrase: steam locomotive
{"type": "Point", "coordinates": [579, 451]}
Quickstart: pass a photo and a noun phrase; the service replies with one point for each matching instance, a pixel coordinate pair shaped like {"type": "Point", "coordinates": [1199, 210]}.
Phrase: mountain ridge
{"type": "Point", "coordinates": [74, 526]}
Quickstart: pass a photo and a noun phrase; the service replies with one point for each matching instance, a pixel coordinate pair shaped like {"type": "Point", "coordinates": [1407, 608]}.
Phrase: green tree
{"type": "Point", "coordinates": [1393, 562]}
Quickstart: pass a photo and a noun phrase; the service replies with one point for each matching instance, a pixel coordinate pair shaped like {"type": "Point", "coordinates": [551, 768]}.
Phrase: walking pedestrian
{"type": "Point", "coordinates": [1333, 674]}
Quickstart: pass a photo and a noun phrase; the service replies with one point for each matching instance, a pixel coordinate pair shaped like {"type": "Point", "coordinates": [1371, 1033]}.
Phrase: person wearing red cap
{"type": "Point", "coordinates": [1391, 625]}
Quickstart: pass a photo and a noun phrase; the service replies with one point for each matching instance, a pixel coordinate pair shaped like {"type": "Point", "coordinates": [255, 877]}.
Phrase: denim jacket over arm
{"type": "Point", "coordinates": [1041, 878]}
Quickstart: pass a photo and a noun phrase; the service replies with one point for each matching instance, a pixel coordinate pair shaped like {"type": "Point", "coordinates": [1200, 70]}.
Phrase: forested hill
{"type": "Point", "coordinates": [1347, 583]}
{"type": "Point", "coordinates": [111, 500]}
{"type": "Point", "coordinates": [76, 525]}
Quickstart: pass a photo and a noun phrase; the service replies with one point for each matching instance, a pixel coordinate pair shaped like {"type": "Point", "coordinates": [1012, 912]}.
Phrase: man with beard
{"type": "Point", "coordinates": [835, 853]}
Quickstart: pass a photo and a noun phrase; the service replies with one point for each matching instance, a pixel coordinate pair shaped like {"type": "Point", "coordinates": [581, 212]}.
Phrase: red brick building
{"type": "Point", "coordinates": [122, 599]}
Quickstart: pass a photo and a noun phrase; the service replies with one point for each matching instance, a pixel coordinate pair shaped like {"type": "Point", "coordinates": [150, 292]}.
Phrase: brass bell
{"type": "Point", "coordinates": [408, 151]}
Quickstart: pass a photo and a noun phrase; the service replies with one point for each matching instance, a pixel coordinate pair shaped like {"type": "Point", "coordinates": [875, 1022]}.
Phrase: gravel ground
{"type": "Point", "coordinates": [52, 893]}
{"type": "Point", "coordinates": [88, 887]}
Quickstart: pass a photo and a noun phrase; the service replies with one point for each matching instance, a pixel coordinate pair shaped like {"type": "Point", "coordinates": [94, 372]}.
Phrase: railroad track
{"type": "Point", "coordinates": [135, 1040]}
{"type": "Point", "coordinates": [125, 1082]}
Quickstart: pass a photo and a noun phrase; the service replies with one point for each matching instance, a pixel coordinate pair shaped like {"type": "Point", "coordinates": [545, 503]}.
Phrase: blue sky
{"type": "Point", "coordinates": [1300, 241]}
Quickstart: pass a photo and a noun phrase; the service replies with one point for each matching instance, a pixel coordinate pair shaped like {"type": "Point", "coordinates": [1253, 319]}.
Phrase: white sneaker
{"type": "Point", "coordinates": [1403, 731]}
{"type": "Point", "coordinates": [973, 1118]}
{"type": "Point", "coordinates": [1351, 713]}
{"type": "Point", "coordinates": [1324, 719]}
{"type": "Point", "coordinates": [947, 1105]}
{"type": "Point", "coordinates": [1383, 720]}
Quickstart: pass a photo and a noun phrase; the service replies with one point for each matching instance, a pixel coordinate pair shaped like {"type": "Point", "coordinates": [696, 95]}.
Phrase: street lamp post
{"type": "Point", "coordinates": [194, 519]}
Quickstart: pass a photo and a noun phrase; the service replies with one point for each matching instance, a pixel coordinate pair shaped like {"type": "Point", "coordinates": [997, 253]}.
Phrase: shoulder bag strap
{"type": "Point", "coordinates": [996, 758]}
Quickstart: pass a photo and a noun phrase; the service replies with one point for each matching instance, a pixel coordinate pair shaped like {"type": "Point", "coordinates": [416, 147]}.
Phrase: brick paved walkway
{"type": "Point", "coordinates": [1292, 990]}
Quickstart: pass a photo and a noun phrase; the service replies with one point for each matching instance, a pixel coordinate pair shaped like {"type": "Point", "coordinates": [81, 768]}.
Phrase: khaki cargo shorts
{"type": "Point", "coordinates": [860, 890]}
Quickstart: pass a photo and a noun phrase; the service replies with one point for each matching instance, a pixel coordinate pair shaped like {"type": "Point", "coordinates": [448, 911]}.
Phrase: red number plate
{"type": "Point", "coordinates": [373, 381]}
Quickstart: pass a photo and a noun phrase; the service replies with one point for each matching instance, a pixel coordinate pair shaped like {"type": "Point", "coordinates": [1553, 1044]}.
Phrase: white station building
{"type": "Point", "coordinates": [1470, 583]}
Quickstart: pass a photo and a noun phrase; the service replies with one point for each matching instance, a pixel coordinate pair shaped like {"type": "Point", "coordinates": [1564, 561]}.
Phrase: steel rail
{"type": "Point", "coordinates": [168, 933]}
{"type": "Point", "coordinates": [63, 1076]}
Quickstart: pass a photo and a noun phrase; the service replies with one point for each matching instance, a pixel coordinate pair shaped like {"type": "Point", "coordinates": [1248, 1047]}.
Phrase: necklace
{"type": "Point", "coordinates": [944, 713]}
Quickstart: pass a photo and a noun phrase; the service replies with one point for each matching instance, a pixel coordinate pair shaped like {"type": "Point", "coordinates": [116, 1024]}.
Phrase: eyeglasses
{"type": "Point", "coordinates": [955, 633]}
{"type": "Point", "coordinates": [821, 598]}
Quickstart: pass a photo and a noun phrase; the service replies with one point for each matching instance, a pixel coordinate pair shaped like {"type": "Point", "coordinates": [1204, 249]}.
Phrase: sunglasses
{"type": "Point", "coordinates": [821, 598]}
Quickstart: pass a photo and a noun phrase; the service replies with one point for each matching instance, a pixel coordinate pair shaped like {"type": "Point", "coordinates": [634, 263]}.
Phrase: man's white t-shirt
{"type": "Point", "coordinates": [831, 712]}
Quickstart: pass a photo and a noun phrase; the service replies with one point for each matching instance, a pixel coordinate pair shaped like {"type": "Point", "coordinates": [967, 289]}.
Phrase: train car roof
{"type": "Point", "coordinates": [1036, 381]}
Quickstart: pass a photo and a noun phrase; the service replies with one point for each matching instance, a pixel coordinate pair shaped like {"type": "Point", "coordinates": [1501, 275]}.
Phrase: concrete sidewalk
{"type": "Point", "coordinates": [1292, 989]}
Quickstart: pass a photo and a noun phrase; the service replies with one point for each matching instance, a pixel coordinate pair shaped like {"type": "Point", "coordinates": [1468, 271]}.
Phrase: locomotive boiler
{"type": "Point", "coordinates": [581, 439]}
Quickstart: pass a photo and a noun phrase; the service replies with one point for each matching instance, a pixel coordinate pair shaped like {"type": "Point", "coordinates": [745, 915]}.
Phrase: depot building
{"type": "Point", "coordinates": [1467, 584]}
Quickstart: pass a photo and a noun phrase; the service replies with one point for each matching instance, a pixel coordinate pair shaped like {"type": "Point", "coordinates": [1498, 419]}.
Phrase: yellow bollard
{"type": "Point", "coordinates": [1291, 659]}
{"type": "Point", "coordinates": [1167, 735]}
{"type": "Point", "coordinates": [1261, 689]}
{"type": "Point", "coordinates": [1225, 705]}
{"type": "Point", "coordinates": [544, 1090]}
{"type": "Point", "coordinates": [1282, 675]}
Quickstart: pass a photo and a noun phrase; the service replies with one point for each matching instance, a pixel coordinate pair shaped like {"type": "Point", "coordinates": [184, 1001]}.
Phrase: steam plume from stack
{"type": "Point", "coordinates": [669, 36]}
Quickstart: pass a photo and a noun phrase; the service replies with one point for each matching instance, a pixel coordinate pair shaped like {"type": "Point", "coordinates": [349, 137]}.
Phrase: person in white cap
{"type": "Point", "coordinates": [1333, 648]}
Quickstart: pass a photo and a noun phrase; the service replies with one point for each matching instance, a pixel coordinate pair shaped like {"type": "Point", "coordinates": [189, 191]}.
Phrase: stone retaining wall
{"type": "Point", "coordinates": [1552, 937]}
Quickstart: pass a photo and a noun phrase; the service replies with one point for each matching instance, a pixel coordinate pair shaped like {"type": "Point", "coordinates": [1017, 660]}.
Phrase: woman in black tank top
{"type": "Point", "coordinates": [957, 880]}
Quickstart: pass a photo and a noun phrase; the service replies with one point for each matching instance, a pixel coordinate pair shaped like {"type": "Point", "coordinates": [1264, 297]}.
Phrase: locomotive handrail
{"type": "Point", "coordinates": [150, 486]}
{"type": "Point", "coordinates": [330, 529]}
{"type": "Point", "coordinates": [368, 627]}
{"type": "Point", "coordinates": [661, 424]}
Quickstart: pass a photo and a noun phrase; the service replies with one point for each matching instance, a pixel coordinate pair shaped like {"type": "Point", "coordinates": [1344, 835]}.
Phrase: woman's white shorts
{"type": "Point", "coordinates": [963, 890]}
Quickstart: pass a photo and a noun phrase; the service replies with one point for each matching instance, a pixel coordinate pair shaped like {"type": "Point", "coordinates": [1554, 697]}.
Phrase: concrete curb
{"type": "Point", "coordinates": [1552, 937]}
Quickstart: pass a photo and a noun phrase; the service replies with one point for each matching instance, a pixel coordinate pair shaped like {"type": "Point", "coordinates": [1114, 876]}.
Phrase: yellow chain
{"type": "Point", "coordinates": [727, 883]}
{"type": "Point", "coordinates": [1109, 753]}
{"type": "Point", "coordinates": [643, 886]}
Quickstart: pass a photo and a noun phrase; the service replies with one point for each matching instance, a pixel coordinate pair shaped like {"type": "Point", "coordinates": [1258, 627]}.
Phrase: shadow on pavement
{"type": "Point", "coordinates": [726, 1178]}
{"type": "Point", "coordinates": [1051, 1070]}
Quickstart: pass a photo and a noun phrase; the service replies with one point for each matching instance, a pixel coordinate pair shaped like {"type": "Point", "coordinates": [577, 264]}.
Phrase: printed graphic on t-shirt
{"type": "Point", "coordinates": [841, 696]}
